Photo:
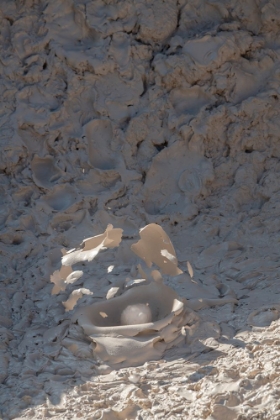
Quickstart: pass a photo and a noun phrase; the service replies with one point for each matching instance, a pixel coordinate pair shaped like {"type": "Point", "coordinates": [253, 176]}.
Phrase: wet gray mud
{"type": "Point", "coordinates": [134, 113]}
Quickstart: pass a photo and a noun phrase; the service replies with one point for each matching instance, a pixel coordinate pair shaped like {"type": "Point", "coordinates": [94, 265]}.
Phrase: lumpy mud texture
{"type": "Point", "coordinates": [132, 113]}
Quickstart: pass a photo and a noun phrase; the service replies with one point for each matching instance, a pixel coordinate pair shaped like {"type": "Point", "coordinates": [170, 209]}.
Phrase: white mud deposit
{"type": "Point", "coordinates": [133, 113]}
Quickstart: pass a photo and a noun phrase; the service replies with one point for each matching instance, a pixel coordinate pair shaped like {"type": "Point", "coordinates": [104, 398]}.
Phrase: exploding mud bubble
{"type": "Point", "coordinates": [140, 313]}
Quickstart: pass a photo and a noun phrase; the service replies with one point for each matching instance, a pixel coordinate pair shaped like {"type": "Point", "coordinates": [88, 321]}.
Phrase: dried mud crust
{"type": "Point", "coordinates": [213, 386]}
